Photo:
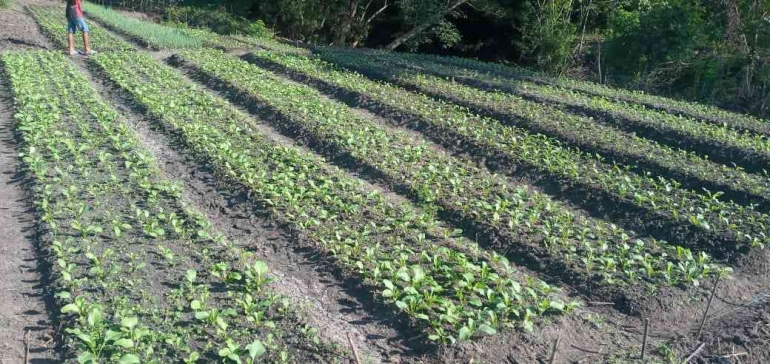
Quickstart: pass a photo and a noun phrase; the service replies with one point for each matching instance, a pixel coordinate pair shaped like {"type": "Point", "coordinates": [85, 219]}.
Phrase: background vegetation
{"type": "Point", "coordinates": [713, 51]}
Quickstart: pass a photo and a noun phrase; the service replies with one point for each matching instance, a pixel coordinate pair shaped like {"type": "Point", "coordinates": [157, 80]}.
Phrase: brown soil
{"type": "Point", "coordinates": [26, 329]}
{"type": "Point", "coordinates": [19, 30]}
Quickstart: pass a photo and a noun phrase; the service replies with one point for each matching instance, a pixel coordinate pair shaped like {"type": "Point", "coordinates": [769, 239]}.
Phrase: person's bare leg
{"type": "Point", "coordinates": [71, 42]}
{"type": "Point", "coordinates": [86, 41]}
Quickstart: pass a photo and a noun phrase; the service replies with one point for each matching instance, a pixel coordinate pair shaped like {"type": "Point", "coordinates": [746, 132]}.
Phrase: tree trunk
{"type": "Point", "coordinates": [425, 25]}
{"type": "Point", "coordinates": [733, 33]}
{"type": "Point", "coordinates": [347, 22]}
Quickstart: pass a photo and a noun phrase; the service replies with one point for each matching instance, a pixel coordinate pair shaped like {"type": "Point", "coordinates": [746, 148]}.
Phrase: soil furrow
{"type": "Point", "coordinates": [26, 310]}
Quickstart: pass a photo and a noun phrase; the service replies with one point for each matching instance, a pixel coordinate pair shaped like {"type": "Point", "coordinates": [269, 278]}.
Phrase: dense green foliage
{"type": "Point", "coordinates": [711, 51]}
{"type": "Point", "coordinates": [714, 51]}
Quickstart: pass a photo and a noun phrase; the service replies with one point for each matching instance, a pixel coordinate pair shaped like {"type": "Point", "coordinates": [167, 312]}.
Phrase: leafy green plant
{"type": "Point", "coordinates": [92, 182]}
{"type": "Point", "coordinates": [333, 210]}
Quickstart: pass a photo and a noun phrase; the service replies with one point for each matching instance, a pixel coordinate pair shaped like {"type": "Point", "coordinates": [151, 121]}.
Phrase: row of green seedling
{"type": "Point", "coordinates": [720, 142]}
{"type": "Point", "coordinates": [138, 276]}
{"type": "Point", "coordinates": [52, 23]}
{"type": "Point", "coordinates": [445, 285]}
{"type": "Point", "coordinates": [706, 213]}
{"type": "Point", "coordinates": [158, 36]}
{"type": "Point", "coordinates": [672, 106]}
{"type": "Point", "coordinates": [694, 171]}
{"type": "Point", "coordinates": [487, 201]}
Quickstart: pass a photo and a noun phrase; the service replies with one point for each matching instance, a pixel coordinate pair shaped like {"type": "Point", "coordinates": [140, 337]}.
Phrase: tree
{"type": "Point", "coordinates": [356, 20]}
{"type": "Point", "coordinates": [547, 33]}
{"type": "Point", "coordinates": [422, 15]}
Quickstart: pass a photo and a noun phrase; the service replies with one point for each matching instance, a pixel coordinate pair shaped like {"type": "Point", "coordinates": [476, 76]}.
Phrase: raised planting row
{"type": "Point", "coordinates": [273, 45]}
{"type": "Point", "coordinates": [52, 24]}
{"type": "Point", "coordinates": [516, 215]}
{"type": "Point", "coordinates": [720, 142]}
{"type": "Point", "coordinates": [693, 171]}
{"type": "Point", "coordinates": [676, 107]}
{"type": "Point", "coordinates": [444, 285]}
{"type": "Point", "coordinates": [704, 214]}
{"type": "Point", "coordinates": [138, 275]}
{"type": "Point", "coordinates": [158, 36]}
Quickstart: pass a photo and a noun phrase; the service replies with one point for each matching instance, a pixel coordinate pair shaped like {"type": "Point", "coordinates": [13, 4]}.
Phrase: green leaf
{"type": "Point", "coordinates": [94, 317]}
{"type": "Point", "coordinates": [234, 357]}
{"type": "Point", "coordinates": [129, 322]}
{"type": "Point", "coordinates": [128, 359]}
{"type": "Point", "coordinates": [194, 356]}
{"type": "Point", "coordinates": [489, 330]}
{"type": "Point", "coordinates": [256, 349]}
{"type": "Point", "coordinates": [465, 333]}
{"type": "Point", "coordinates": [556, 305]}
{"type": "Point", "coordinates": [224, 352]}
{"type": "Point", "coordinates": [125, 343]}
{"type": "Point", "coordinates": [402, 305]}
{"type": "Point", "coordinates": [419, 273]}
{"type": "Point", "coordinates": [388, 283]}
{"type": "Point", "coordinates": [528, 325]}
{"type": "Point", "coordinates": [260, 267]}
{"type": "Point", "coordinates": [112, 335]}
{"type": "Point", "coordinates": [70, 308]}
{"type": "Point", "coordinates": [86, 357]}
{"type": "Point", "coordinates": [195, 305]}
{"type": "Point", "coordinates": [191, 275]}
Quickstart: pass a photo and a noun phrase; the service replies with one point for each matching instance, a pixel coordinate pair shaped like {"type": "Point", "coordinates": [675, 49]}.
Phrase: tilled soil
{"type": "Point", "coordinates": [26, 331]}
{"type": "Point", "coordinates": [19, 31]}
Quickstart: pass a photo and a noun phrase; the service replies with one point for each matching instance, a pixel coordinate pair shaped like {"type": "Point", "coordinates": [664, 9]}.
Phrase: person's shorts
{"type": "Point", "coordinates": [76, 24]}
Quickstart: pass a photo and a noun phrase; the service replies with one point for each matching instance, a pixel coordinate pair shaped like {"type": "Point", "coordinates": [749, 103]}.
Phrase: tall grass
{"type": "Point", "coordinates": [4, 4]}
{"type": "Point", "coordinates": [156, 35]}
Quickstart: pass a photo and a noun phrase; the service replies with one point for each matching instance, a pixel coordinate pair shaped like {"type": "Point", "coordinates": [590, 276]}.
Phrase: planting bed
{"type": "Point", "coordinates": [137, 274]}
{"type": "Point", "coordinates": [672, 106]}
{"type": "Point", "coordinates": [721, 142]}
{"type": "Point", "coordinates": [702, 218]}
{"type": "Point", "coordinates": [398, 250]}
{"type": "Point", "coordinates": [159, 36]}
{"type": "Point", "coordinates": [686, 167]}
{"type": "Point", "coordinates": [477, 198]}
{"type": "Point", "coordinates": [273, 205]}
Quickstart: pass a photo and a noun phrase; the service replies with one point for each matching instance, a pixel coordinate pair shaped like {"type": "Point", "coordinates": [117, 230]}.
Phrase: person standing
{"type": "Point", "coordinates": [76, 21]}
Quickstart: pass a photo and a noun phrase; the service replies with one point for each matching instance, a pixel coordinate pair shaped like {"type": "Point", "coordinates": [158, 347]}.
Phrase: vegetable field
{"type": "Point", "coordinates": [208, 198]}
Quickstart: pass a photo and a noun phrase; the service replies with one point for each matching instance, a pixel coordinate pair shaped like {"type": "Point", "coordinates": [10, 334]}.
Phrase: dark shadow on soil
{"type": "Point", "coordinates": [43, 261]}
{"type": "Point", "coordinates": [22, 42]}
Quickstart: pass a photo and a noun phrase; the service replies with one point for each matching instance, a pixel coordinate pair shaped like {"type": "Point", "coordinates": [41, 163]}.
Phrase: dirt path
{"type": "Point", "coordinates": [19, 30]}
{"type": "Point", "coordinates": [25, 328]}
